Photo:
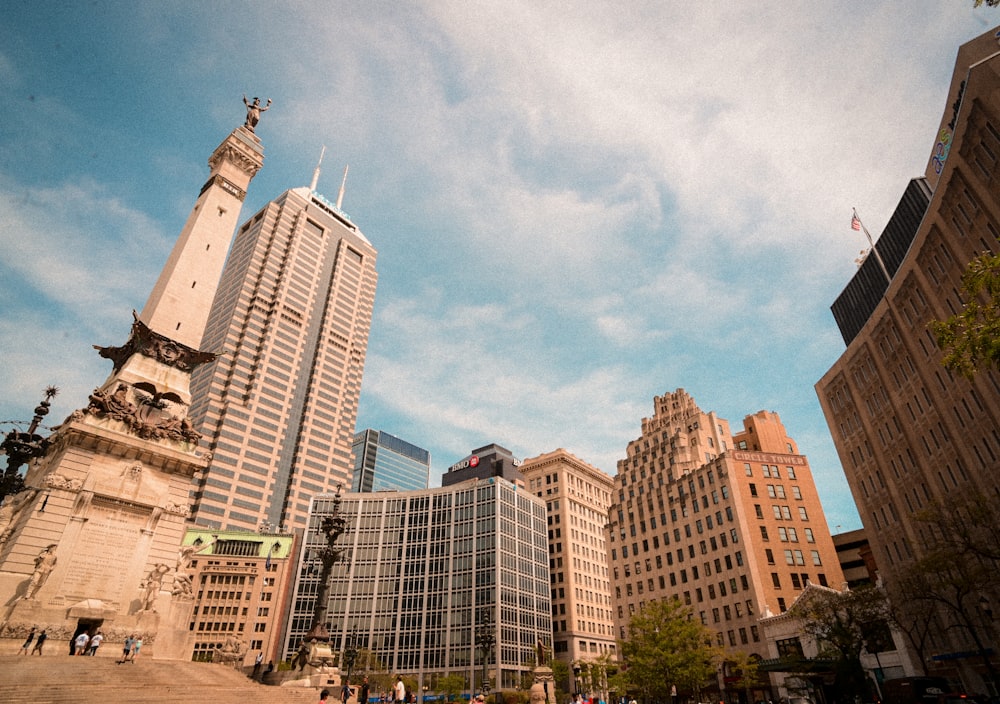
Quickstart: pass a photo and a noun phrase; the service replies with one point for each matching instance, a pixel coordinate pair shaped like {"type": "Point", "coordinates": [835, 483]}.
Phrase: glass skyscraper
{"type": "Point", "coordinates": [424, 572]}
{"type": "Point", "coordinates": [383, 461]}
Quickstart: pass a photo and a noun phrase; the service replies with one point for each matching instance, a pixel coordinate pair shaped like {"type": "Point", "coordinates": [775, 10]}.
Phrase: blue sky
{"type": "Point", "coordinates": [577, 206]}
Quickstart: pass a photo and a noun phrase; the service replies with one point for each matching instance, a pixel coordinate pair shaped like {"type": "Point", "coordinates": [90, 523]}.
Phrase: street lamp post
{"type": "Point", "coordinates": [485, 640]}
{"type": "Point", "coordinates": [350, 655]}
{"type": "Point", "coordinates": [21, 448]}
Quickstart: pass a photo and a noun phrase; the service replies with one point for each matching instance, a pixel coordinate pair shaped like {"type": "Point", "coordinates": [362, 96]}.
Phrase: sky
{"type": "Point", "coordinates": [577, 206]}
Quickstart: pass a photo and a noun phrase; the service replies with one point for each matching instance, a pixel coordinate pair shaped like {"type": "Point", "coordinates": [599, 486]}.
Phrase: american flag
{"type": "Point", "coordinates": [855, 222]}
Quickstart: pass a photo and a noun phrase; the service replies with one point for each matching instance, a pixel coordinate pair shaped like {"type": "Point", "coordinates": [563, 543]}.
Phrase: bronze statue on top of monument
{"type": "Point", "coordinates": [254, 110]}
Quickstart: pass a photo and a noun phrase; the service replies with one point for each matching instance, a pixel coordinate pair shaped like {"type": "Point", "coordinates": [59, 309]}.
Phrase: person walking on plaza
{"type": "Point", "coordinates": [400, 689]}
{"type": "Point", "coordinates": [323, 696]}
{"type": "Point", "coordinates": [363, 693]}
{"type": "Point", "coordinates": [345, 692]}
{"type": "Point", "coordinates": [27, 643]}
{"type": "Point", "coordinates": [95, 643]}
{"type": "Point", "coordinates": [39, 643]}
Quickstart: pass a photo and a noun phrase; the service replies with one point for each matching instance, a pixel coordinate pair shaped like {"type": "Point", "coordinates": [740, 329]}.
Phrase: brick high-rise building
{"type": "Point", "coordinates": [729, 523]}
{"type": "Point", "coordinates": [910, 434]}
{"type": "Point", "coordinates": [278, 407]}
{"type": "Point", "coordinates": [577, 496]}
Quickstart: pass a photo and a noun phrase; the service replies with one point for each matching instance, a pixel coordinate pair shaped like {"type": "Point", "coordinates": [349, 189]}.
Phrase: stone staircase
{"type": "Point", "coordinates": [58, 679]}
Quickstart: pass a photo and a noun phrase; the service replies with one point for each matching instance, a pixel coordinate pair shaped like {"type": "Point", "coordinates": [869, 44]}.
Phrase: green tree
{"type": "Point", "coordinates": [451, 685]}
{"type": "Point", "coordinates": [970, 339]}
{"type": "Point", "coordinates": [954, 580]}
{"type": "Point", "coordinates": [745, 666]}
{"type": "Point", "coordinates": [367, 663]}
{"type": "Point", "coordinates": [667, 645]}
{"type": "Point", "coordinates": [843, 625]}
{"type": "Point", "coordinates": [560, 673]}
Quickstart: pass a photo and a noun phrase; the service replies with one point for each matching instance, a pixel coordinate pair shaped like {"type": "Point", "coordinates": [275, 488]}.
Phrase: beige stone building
{"type": "Point", "coordinates": [240, 584]}
{"type": "Point", "coordinates": [577, 496]}
{"type": "Point", "coordinates": [909, 433]}
{"type": "Point", "coordinates": [729, 523]}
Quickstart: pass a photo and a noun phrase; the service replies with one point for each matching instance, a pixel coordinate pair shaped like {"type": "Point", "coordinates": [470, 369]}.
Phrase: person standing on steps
{"type": "Point", "coordinates": [95, 643]}
{"type": "Point", "coordinates": [27, 643]}
{"type": "Point", "coordinates": [135, 649]}
{"type": "Point", "coordinates": [39, 643]}
{"type": "Point", "coordinates": [81, 644]}
{"type": "Point", "coordinates": [127, 648]}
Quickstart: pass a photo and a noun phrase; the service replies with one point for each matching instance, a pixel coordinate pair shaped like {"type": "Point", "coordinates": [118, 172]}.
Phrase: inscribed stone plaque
{"type": "Point", "coordinates": [101, 558]}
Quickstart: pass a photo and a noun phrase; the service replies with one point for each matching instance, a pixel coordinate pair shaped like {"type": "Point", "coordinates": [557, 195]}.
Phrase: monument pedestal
{"type": "Point", "coordinates": [545, 681]}
{"type": "Point", "coordinates": [94, 543]}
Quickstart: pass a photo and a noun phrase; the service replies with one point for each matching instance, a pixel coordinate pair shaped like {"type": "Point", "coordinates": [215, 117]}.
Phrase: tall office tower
{"type": "Point", "coordinates": [577, 496]}
{"type": "Point", "coordinates": [278, 407]}
{"type": "Point", "coordinates": [383, 461]}
{"type": "Point", "coordinates": [730, 524]}
{"type": "Point", "coordinates": [909, 433]}
{"type": "Point", "coordinates": [427, 573]}
{"type": "Point", "coordinates": [488, 461]}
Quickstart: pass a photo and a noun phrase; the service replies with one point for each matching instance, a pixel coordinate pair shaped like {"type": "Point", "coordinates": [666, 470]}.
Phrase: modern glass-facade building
{"type": "Point", "coordinates": [383, 461]}
{"type": "Point", "coordinates": [426, 572]}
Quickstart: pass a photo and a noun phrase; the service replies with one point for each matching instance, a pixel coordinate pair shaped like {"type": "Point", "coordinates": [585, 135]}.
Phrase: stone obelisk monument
{"type": "Point", "coordinates": [92, 542]}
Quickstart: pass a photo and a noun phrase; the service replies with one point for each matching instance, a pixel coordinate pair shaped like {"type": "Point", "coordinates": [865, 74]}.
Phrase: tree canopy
{"type": "Point", "coordinates": [666, 645]}
{"type": "Point", "coordinates": [970, 339]}
{"type": "Point", "coordinates": [844, 624]}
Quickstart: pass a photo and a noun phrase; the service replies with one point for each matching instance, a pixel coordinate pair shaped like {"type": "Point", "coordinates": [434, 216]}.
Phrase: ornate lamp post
{"type": "Point", "coordinates": [21, 448]}
{"type": "Point", "coordinates": [332, 526]}
{"type": "Point", "coordinates": [350, 655]}
{"type": "Point", "coordinates": [484, 641]}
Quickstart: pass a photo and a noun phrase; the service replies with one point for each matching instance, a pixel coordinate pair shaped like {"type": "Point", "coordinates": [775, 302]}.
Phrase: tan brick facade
{"type": "Point", "coordinates": [730, 524]}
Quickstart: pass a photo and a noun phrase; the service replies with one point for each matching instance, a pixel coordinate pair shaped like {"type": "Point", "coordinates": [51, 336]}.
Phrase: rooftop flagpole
{"type": "Point", "coordinates": [856, 224]}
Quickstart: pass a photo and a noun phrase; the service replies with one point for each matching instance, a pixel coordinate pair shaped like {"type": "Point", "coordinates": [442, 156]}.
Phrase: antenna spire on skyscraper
{"type": "Point", "coordinates": [315, 181]}
{"type": "Point", "coordinates": [340, 196]}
